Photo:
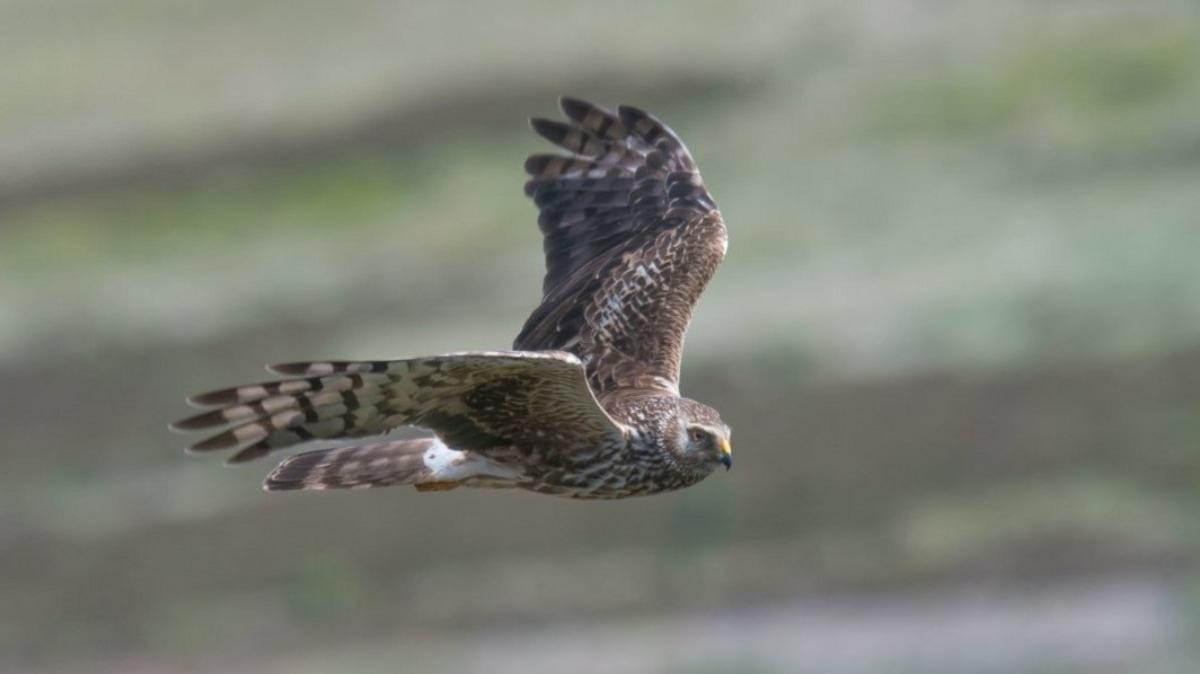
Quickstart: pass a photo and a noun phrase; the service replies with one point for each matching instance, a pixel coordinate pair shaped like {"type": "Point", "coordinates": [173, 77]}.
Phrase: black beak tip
{"type": "Point", "coordinates": [727, 461]}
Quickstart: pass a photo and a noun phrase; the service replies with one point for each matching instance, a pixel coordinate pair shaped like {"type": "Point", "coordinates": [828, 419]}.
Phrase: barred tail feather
{"type": "Point", "coordinates": [376, 464]}
{"type": "Point", "coordinates": [426, 463]}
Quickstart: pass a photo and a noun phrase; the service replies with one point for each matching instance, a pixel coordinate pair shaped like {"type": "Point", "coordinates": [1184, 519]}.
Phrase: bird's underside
{"type": "Point", "coordinates": [586, 405]}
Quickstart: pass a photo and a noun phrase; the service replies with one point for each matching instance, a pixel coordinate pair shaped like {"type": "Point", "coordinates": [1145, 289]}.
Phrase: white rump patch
{"type": "Point", "coordinates": [452, 465]}
{"type": "Point", "coordinates": [439, 458]}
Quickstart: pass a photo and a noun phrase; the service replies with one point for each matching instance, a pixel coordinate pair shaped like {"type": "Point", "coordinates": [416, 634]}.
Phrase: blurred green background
{"type": "Point", "coordinates": [957, 334]}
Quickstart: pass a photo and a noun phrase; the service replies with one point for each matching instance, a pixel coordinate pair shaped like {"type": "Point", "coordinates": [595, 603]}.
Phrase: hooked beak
{"type": "Point", "coordinates": [726, 454]}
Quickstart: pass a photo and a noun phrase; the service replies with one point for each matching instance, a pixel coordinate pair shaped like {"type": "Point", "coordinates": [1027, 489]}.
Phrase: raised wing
{"type": "Point", "coordinates": [476, 401]}
{"type": "Point", "coordinates": [632, 237]}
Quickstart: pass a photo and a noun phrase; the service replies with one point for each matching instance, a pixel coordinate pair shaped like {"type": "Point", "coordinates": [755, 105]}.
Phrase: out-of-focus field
{"type": "Point", "coordinates": [957, 334]}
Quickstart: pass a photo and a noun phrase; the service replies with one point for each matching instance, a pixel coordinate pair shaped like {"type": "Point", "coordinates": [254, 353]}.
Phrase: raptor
{"type": "Point", "coordinates": [587, 402]}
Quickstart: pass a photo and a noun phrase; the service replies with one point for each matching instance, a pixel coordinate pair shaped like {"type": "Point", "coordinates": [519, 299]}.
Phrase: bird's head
{"type": "Point", "coordinates": [702, 437]}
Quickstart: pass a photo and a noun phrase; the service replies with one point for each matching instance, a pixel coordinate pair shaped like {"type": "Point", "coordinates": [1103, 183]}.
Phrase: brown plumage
{"type": "Point", "coordinates": [587, 404]}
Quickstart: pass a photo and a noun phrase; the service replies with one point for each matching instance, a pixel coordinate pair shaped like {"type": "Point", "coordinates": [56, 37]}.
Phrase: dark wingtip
{"type": "Point", "coordinates": [535, 164]}
{"type": "Point", "coordinates": [248, 454]}
{"type": "Point", "coordinates": [294, 368]}
{"type": "Point", "coordinates": [630, 115]}
{"type": "Point", "coordinates": [573, 107]}
{"type": "Point", "coordinates": [207, 399]}
{"type": "Point", "coordinates": [198, 422]}
{"type": "Point", "coordinates": [215, 443]}
{"type": "Point", "coordinates": [549, 129]}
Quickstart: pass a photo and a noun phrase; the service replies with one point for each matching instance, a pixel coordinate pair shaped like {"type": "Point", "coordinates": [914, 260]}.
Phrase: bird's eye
{"type": "Point", "coordinates": [696, 434]}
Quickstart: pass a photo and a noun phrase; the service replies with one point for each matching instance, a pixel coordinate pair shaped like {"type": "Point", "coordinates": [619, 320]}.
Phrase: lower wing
{"type": "Point", "coordinates": [473, 400]}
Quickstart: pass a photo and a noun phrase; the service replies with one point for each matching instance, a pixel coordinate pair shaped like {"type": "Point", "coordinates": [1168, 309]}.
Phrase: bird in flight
{"type": "Point", "coordinates": [587, 403]}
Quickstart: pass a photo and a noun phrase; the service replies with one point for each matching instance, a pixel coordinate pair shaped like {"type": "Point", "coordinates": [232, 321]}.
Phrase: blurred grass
{"type": "Point", "coordinates": [1093, 77]}
{"type": "Point", "coordinates": [955, 334]}
{"type": "Point", "coordinates": [889, 170]}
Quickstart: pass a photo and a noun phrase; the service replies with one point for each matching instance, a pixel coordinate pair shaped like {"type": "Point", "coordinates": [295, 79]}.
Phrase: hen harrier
{"type": "Point", "coordinates": [587, 404]}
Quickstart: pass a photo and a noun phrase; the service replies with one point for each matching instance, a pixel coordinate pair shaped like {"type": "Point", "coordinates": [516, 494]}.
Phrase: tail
{"type": "Point", "coordinates": [426, 463]}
